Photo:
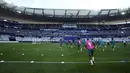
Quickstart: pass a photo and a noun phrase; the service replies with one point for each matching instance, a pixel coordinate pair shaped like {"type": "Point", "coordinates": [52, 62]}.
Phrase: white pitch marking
{"type": "Point", "coordinates": [65, 62]}
{"type": "Point", "coordinates": [32, 62]}
{"type": "Point", "coordinates": [2, 61]}
{"type": "Point", "coordinates": [103, 49]}
{"type": "Point", "coordinates": [78, 51]}
{"type": "Point", "coordinates": [62, 62]}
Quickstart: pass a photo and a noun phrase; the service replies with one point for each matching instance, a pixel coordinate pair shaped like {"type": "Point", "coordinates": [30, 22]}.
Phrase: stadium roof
{"type": "Point", "coordinates": [64, 13]}
{"type": "Point", "coordinates": [72, 4]}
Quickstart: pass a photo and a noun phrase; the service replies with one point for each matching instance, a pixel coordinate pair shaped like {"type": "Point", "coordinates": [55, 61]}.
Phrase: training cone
{"type": "Point", "coordinates": [113, 49]}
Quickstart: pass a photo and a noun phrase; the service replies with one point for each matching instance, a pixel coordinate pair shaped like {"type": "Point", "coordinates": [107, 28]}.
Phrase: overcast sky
{"type": "Point", "coordinates": [73, 4]}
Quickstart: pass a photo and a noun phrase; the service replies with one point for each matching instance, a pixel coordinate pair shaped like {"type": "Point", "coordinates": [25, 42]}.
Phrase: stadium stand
{"type": "Point", "coordinates": [52, 32]}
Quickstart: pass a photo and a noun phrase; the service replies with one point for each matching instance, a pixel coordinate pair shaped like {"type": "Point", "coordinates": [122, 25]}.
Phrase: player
{"type": "Point", "coordinates": [60, 43]}
{"type": "Point", "coordinates": [75, 42]}
{"type": "Point", "coordinates": [66, 43]}
{"type": "Point", "coordinates": [108, 42]}
{"type": "Point", "coordinates": [94, 42]}
{"type": "Point", "coordinates": [98, 42]}
{"type": "Point", "coordinates": [124, 41]}
{"type": "Point", "coordinates": [113, 43]}
{"type": "Point", "coordinates": [90, 47]}
{"type": "Point", "coordinates": [79, 44]}
{"type": "Point", "coordinates": [84, 43]}
{"type": "Point", "coordinates": [102, 43]}
{"type": "Point", "coordinates": [71, 43]}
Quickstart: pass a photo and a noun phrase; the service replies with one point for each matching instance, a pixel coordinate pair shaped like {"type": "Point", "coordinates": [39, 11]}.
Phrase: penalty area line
{"type": "Point", "coordinates": [43, 62]}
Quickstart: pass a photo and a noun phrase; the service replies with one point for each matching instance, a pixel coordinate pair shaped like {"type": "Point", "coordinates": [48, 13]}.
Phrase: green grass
{"type": "Point", "coordinates": [31, 53]}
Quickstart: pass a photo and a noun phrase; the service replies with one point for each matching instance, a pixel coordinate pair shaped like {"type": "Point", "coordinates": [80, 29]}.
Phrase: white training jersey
{"type": "Point", "coordinates": [124, 41]}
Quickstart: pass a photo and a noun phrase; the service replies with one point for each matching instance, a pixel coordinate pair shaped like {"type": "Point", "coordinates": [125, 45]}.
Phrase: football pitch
{"type": "Point", "coordinates": [50, 58]}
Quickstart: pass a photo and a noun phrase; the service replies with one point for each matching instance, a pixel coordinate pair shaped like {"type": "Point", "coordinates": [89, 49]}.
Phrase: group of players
{"type": "Point", "coordinates": [90, 45]}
